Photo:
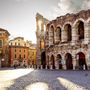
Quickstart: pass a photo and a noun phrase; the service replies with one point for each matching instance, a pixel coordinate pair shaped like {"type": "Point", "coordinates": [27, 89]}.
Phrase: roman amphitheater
{"type": "Point", "coordinates": [64, 43]}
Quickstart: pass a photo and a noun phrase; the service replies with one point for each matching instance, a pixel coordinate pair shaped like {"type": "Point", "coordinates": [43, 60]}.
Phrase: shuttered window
{"type": "Point", "coordinates": [0, 43]}
{"type": "Point", "coordinates": [0, 34]}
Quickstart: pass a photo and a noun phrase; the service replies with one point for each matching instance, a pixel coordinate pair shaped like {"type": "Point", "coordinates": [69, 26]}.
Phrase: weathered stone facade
{"type": "Point", "coordinates": [67, 41]}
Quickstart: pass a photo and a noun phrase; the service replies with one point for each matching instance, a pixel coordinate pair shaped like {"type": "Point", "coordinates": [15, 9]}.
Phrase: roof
{"type": "Point", "coordinates": [4, 30]}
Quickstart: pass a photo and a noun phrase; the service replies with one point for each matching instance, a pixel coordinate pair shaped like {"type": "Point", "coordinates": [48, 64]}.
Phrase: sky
{"type": "Point", "coordinates": [18, 16]}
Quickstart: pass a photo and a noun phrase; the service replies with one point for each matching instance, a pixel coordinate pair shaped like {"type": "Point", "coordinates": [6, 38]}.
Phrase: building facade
{"type": "Point", "coordinates": [65, 44]}
{"type": "Point", "coordinates": [32, 54]}
{"type": "Point", "coordinates": [18, 52]}
{"type": "Point", "coordinates": [4, 49]}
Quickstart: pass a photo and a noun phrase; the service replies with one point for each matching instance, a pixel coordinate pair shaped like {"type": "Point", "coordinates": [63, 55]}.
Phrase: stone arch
{"type": "Point", "coordinates": [53, 61]}
{"type": "Point", "coordinates": [65, 24]}
{"type": "Point", "coordinates": [79, 25]}
{"type": "Point", "coordinates": [68, 58]}
{"type": "Point", "coordinates": [80, 19]}
{"type": "Point", "coordinates": [81, 60]}
{"type": "Point", "coordinates": [59, 58]}
{"type": "Point", "coordinates": [67, 32]}
{"type": "Point", "coordinates": [58, 34]}
{"type": "Point", "coordinates": [42, 43]}
{"type": "Point", "coordinates": [88, 20]}
{"type": "Point", "coordinates": [51, 35]}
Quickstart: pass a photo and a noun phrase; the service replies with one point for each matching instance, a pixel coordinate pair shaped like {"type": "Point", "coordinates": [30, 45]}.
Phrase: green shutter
{"type": "Point", "coordinates": [0, 34]}
{"type": "Point", "coordinates": [0, 43]}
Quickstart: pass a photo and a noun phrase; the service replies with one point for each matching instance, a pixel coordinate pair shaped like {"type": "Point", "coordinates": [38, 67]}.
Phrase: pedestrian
{"type": "Point", "coordinates": [15, 66]}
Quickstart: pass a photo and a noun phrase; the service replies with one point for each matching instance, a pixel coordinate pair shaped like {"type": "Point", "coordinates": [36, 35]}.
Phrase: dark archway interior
{"type": "Point", "coordinates": [69, 61]}
{"type": "Point", "coordinates": [53, 62]}
{"type": "Point", "coordinates": [43, 59]}
{"type": "Point", "coordinates": [81, 30]}
{"type": "Point", "coordinates": [60, 61]}
{"type": "Point", "coordinates": [69, 33]}
{"type": "Point", "coordinates": [82, 61]}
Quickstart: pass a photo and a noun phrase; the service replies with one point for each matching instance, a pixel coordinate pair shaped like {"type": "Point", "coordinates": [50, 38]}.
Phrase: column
{"type": "Point", "coordinates": [56, 63]}
{"type": "Point", "coordinates": [86, 33]}
{"type": "Point", "coordinates": [63, 63]}
{"type": "Point", "coordinates": [74, 35]}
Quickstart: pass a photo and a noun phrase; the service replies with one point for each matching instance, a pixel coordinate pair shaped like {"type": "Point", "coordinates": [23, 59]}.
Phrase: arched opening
{"type": "Point", "coordinates": [68, 32]}
{"type": "Point", "coordinates": [53, 62]}
{"type": "Point", "coordinates": [58, 34]}
{"type": "Point", "coordinates": [69, 64]}
{"type": "Point", "coordinates": [42, 44]}
{"type": "Point", "coordinates": [81, 61]}
{"type": "Point", "coordinates": [47, 38]}
{"type": "Point", "coordinates": [59, 58]}
{"type": "Point", "coordinates": [48, 62]}
{"type": "Point", "coordinates": [39, 25]}
{"type": "Point", "coordinates": [44, 27]}
{"type": "Point", "coordinates": [43, 59]}
{"type": "Point", "coordinates": [51, 33]}
{"type": "Point", "coordinates": [81, 30]}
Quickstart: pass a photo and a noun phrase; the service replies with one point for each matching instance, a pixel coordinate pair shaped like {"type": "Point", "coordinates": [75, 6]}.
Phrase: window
{"type": "Point", "coordinates": [24, 56]}
{"type": "Point", "coordinates": [19, 56]}
{"type": "Point", "coordinates": [15, 44]}
{"type": "Point", "coordinates": [15, 56]}
{"type": "Point", "coordinates": [15, 50]}
{"type": "Point", "coordinates": [33, 53]}
{"type": "Point", "coordinates": [0, 43]}
{"type": "Point", "coordinates": [19, 44]}
{"type": "Point", "coordinates": [20, 50]}
{"type": "Point", "coordinates": [24, 50]}
{"type": "Point", "coordinates": [0, 34]}
{"type": "Point", "coordinates": [24, 44]}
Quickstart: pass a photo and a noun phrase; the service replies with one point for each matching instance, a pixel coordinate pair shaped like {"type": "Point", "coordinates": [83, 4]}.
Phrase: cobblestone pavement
{"type": "Point", "coordinates": [29, 79]}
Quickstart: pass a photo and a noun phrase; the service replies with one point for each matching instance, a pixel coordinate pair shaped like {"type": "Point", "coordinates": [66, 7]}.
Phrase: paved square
{"type": "Point", "coordinates": [29, 79]}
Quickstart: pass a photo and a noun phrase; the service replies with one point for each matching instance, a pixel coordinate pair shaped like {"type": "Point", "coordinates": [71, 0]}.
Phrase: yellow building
{"type": "Point", "coordinates": [32, 54]}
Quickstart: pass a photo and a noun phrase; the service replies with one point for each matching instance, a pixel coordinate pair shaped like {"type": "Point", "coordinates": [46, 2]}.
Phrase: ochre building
{"type": "Point", "coordinates": [4, 49]}
{"type": "Point", "coordinates": [64, 43]}
{"type": "Point", "coordinates": [32, 55]}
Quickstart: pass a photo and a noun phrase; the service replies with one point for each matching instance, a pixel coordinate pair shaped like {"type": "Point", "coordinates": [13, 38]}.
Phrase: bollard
{"type": "Point", "coordinates": [84, 67]}
{"type": "Point", "coordinates": [41, 66]}
{"type": "Point", "coordinates": [73, 67]}
{"type": "Point", "coordinates": [51, 67]}
{"type": "Point", "coordinates": [32, 66]}
{"type": "Point", "coordinates": [46, 66]}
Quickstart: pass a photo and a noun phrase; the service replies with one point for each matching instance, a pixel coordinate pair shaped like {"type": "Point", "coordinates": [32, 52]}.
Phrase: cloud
{"type": "Point", "coordinates": [85, 5]}
{"type": "Point", "coordinates": [67, 6]}
{"type": "Point", "coordinates": [20, 0]}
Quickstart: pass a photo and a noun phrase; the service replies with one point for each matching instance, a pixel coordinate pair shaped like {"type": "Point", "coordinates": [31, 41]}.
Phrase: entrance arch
{"type": "Point", "coordinates": [81, 61]}
{"type": "Point", "coordinates": [69, 64]}
{"type": "Point", "coordinates": [59, 58]}
{"type": "Point", "coordinates": [53, 62]}
{"type": "Point", "coordinates": [43, 59]}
